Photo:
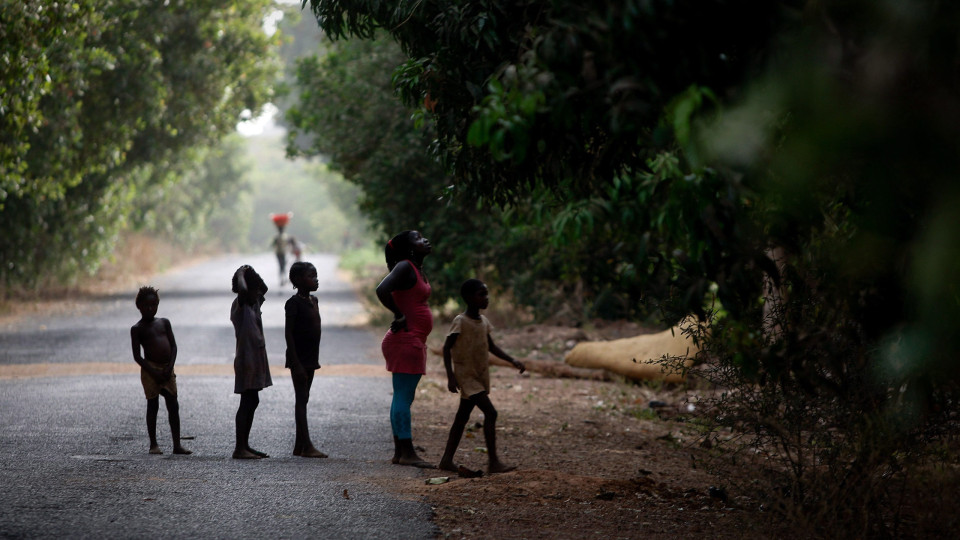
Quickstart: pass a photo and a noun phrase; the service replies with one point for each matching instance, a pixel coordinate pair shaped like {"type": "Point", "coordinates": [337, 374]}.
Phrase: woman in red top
{"type": "Point", "coordinates": [404, 292]}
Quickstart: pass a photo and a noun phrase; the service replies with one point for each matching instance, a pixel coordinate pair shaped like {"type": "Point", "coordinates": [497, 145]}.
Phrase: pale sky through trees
{"type": "Point", "coordinates": [264, 123]}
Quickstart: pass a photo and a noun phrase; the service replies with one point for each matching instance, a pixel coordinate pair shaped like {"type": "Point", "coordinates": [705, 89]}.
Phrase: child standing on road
{"type": "Point", "coordinates": [154, 336]}
{"type": "Point", "coordinates": [250, 363]}
{"type": "Point", "coordinates": [302, 331]}
{"type": "Point", "coordinates": [465, 357]}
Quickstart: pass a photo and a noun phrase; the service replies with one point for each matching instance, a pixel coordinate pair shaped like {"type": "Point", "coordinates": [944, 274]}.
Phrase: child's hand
{"type": "Point", "coordinates": [519, 365]}
{"type": "Point", "coordinates": [452, 385]}
{"type": "Point", "coordinates": [160, 376]}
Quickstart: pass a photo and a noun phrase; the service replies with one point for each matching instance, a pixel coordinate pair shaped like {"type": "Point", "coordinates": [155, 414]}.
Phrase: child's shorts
{"type": "Point", "coordinates": [152, 390]}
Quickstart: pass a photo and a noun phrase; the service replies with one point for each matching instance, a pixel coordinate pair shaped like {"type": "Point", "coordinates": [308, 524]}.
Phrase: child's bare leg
{"type": "Point", "coordinates": [248, 403]}
{"type": "Point", "coordinates": [303, 445]}
{"type": "Point", "coordinates": [250, 427]}
{"type": "Point", "coordinates": [297, 408]}
{"type": "Point", "coordinates": [153, 405]}
{"type": "Point", "coordinates": [456, 433]}
{"type": "Point", "coordinates": [173, 413]}
{"type": "Point", "coordinates": [494, 465]}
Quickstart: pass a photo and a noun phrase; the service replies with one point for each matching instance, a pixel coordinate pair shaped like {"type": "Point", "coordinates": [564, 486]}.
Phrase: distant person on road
{"type": "Point", "coordinates": [280, 243]}
{"type": "Point", "coordinates": [302, 331]}
{"type": "Point", "coordinates": [154, 336]}
{"type": "Point", "coordinates": [250, 363]}
{"type": "Point", "coordinates": [404, 292]}
{"type": "Point", "coordinates": [466, 359]}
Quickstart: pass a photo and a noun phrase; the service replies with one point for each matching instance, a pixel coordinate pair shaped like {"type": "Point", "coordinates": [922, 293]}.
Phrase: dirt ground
{"type": "Point", "coordinates": [593, 459]}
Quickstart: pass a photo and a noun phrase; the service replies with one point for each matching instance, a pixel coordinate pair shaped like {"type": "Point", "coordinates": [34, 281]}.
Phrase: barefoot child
{"type": "Point", "coordinates": [302, 332]}
{"type": "Point", "coordinates": [250, 363]}
{"type": "Point", "coordinates": [465, 358]}
{"type": "Point", "coordinates": [155, 337]}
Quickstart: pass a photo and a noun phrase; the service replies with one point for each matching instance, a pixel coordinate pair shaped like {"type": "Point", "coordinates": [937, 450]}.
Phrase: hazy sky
{"type": "Point", "coordinates": [264, 122]}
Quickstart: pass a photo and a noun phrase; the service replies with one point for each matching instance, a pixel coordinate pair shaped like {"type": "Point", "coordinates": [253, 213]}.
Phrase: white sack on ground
{"type": "Point", "coordinates": [635, 357]}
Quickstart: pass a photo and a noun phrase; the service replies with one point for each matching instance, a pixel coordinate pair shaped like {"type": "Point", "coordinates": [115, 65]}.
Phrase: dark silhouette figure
{"type": "Point", "coordinates": [154, 336]}
{"type": "Point", "coordinates": [302, 331]}
{"type": "Point", "coordinates": [466, 359]}
{"type": "Point", "coordinates": [280, 243]}
{"type": "Point", "coordinates": [404, 292]}
{"type": "Point", "coordinates": [250, 363]}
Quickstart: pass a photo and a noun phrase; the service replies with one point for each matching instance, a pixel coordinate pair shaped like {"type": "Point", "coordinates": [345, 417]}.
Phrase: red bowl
{"type": "Point", "coordinates": [280, 220]}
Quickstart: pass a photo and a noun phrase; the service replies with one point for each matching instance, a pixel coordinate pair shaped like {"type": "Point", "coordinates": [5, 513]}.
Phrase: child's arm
{"type": "Point", "coordinates": [448, 361]}
{"type": "Point", "coordinates": [244, 293]}
{"type": "Point", "coordinates": [241, 279]}
{"type": "Point", "coordinates": [296, 368]}
{"type": "Point", "coordinates": [135, 344]}
{"type": "Point", "coordinates": [173, 349]}
{"type": "Point", "coordinates": [242, 290]}
{"type": "Point", "coordinates": [498, 352]}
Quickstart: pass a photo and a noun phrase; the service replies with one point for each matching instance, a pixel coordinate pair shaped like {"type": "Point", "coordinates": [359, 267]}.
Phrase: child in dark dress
{"type": "Point", "coordinates": [155, 337]}
{"type": "Point", "coordinates": [302, 331]}
{"type": "Point", "coordinates": [250, 363]}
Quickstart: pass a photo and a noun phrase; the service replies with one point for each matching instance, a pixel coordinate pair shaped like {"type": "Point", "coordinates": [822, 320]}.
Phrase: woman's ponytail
{"type": "Point", "coordinates": [397, 249]}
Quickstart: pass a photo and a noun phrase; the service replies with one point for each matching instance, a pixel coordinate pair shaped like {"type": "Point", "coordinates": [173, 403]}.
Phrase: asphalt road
{"type": "Point", "coordinates": [73, 442]}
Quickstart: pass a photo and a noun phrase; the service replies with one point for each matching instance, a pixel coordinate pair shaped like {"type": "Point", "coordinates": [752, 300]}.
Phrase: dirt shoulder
{"type": "Point", "coordinates": [594, 460]}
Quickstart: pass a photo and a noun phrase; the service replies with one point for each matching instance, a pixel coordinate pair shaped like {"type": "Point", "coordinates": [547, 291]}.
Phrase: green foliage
{"type": "Point", "coordinates": [349, 113]}
{"type": "Point", "coordinates": [105, 101]}
{"type": "Point", "coordinates": [203, 201]}
{"type": "Point", "coordinates": [545, 87]}
{"type": "Point", "coordinates": [44, 61]}
{"type": "Point", "coordinates": [338, 93]}
{"type": "Point", "coordinates": [789, 163]}
{"type": "Point", "coordinates": [848, 358]}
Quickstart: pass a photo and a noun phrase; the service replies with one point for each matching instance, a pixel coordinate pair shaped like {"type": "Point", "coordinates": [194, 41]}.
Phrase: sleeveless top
{"type": "Point", "coordinates": [406, 351]}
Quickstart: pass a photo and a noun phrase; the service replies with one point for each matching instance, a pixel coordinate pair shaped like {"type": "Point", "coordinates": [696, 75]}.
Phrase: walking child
{"type": "Point", "coordinates": [302, 331]}
{"type": "Point", "coordinates": [250, 363]}
{"type": "Point", "coordinates": [280, 243]}
{"type": "Point", "coordinates": [465, 357]}
{"type": "Point", "coordinates": [154, 336]}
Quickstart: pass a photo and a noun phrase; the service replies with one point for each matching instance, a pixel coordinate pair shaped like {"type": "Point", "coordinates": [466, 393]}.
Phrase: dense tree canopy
{"type": "Point", "coordinates": [558, 92]}
{"type": "Point", "coordinates": [784, 170]}
{"type": "Point", "coordinates": [104, 99]}
{"type": "Point", "coordinates": [346, 108]}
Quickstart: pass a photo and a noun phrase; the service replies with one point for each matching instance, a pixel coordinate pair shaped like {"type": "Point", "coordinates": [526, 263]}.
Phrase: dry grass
{"type": "Point", "coordinates": [136, 258]}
